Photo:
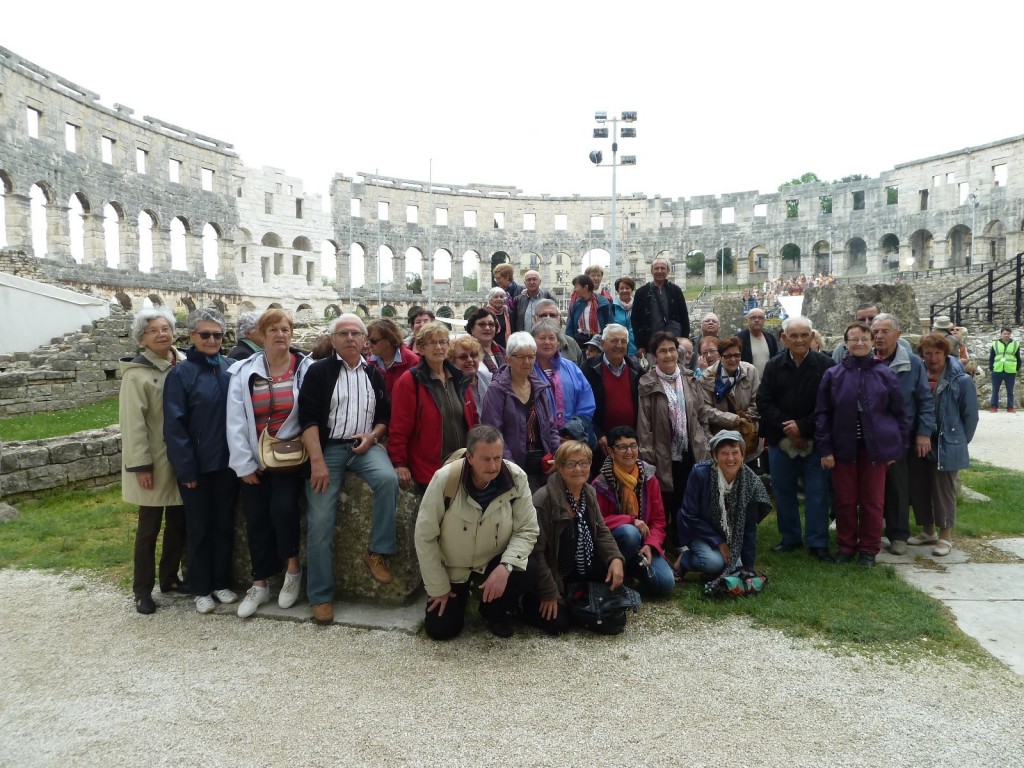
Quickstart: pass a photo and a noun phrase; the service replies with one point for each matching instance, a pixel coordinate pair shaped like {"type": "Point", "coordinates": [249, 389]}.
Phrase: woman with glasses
{"type": "Point", "coordinates": [432, 411]}
{"type": "Point", "coordinates": [518, 404]}
{"type": "Point", "coordinates": [387, 353]}
{"type": "Point", "coordinates": [195, 430]}
{"type": "Point", "coordinates": [629, 496]}
{"type": "Point", "coordinates": [672, 422]}
{"type": "Point", "coordinates": [465, 353]}
{"type": "Point", "coordinates": [860, 427]}
{"type": "Point", "coordinates": [576, 546]}
{"type": "Point", "coordinates": [622, 309]}
{"type": "Point", "coordinates": [571, 394]}
{"type": "Point", "coordinates": [482, 327]}
{"type": "Point", "coordinates": [146, 475]}
{"type": "Point", "coordinates": [730, 386]}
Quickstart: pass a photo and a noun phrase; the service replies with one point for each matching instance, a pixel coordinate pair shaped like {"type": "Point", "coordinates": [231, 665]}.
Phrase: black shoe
{"type": "Point", "coordinates": [843, 558]}
{"type": "Point", "coordinates": [822, 554]}
{"type": "Point", "coordinates": [868, 561]}
{"type": "Point", "coordinates": [178, 587]}
{"type": "Point", "coordinates": [785, 547]}
{"type": "Point", "coordinates": [500, 628]}
{"type": "Point", "coordinates": [145, 605]}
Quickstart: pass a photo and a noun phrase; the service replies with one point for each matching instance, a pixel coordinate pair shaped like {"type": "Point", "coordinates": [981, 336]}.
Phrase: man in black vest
{"type": "Point", "coordinates": [659, 306]}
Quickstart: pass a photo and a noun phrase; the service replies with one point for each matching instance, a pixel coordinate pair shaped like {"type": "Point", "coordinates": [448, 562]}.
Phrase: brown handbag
{"type": "Point", "coordinates": [277, 455]}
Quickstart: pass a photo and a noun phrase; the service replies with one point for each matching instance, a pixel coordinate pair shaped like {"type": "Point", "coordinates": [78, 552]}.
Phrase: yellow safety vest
{"type": "Point", "coordinates": [1005, 360]}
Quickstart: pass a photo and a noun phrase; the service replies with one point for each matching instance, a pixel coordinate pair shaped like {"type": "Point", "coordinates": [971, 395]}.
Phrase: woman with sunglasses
{"type": "Point", "coordinates": [387, 353]}
{"type": "Point", "coordinates": [465, 353]}
{"type": "Point", "coordinates": [195, 430]}
{"type": "Point", "coordinates": [432, 411]}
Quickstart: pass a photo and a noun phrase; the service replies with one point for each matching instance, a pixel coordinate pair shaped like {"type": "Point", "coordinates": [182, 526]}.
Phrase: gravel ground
{"type": "Point", "coordinates": [86, 681]}
{"type": "Point", "coordinates": [997, 439]}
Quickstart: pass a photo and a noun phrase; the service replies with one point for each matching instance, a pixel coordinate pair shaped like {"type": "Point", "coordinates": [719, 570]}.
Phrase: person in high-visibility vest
{"type": "Point", "coordinates": [1004, 361]}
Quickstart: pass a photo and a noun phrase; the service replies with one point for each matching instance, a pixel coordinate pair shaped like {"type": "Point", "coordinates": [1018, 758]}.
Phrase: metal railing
{"type": "Point", "coordinates": [976, 300]}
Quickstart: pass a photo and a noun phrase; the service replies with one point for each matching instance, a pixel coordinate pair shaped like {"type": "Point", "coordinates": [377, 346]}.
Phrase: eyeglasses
{"type": "Point", "coordinates": [732, 356]}
{"type": "Point", "coordinates": [531, 358]}
{"type": "Point", "coordinates": [485, 325]}
{"type": "Point", "coordinates": [158, 331]}
{"type": "Point", "coordinates": [375, 341]}
{"type": "Point", "coordinates": [581, 464]}
{"type": "Point", "coordinates": [435, 343]}
{"type": "Point", "coordinates": [626, 448]}
{"type": "Point", "coordinates": [467, 356]}
{"type": "Point", "coordinates": [205, 335]}
{"type": "Point", "coordinates": [858, 340]}
{"type": "Point", "coordinates": [350, 334]}
{"type": "Point", "coordinates": [549, 317]}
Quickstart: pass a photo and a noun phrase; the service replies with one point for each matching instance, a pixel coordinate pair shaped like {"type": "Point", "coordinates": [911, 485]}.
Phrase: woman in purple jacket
{"type": "Point", "coordinates": [518, 403]}
{"type": "Point", "coordinates": [861, 428]}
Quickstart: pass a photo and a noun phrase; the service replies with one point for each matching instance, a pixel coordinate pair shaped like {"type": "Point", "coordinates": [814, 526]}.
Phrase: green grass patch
{"type": "Point", "coordinates": [36, 426]}
{"type": "Point", "coordinates": [992, 519]}
{"type": "Point", "coordinates": [80, 530]}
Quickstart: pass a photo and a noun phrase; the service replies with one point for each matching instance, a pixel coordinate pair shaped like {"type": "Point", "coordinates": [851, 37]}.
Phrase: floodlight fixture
{"type": "Point", "coordinates": [596, 157]}
{"type": "Point", "coordinates": [600, 133]}
{"type": "Point", "coordinates": [629, 117]}
{"type": "Point", "coordinates": [600, 116]}
{"type": "Point", "coordinates": [628, 133]}
{"type": "Point", "coordinates": [629, 159]}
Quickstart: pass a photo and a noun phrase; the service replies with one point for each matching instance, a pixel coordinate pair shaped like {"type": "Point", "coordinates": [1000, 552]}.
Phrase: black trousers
{"type": "Point", "coordinates": [673, 499]}
{"type": "Point", "coordinates": [272, 520]}
{"type": "Point", "coordinates": [450, 625]}
{"type": "Point", "coordinates": [146, 535]}
{"type": "Point", "coordinates": [897, 500]}
{"type": "Point", "coordinates": [210, 515]}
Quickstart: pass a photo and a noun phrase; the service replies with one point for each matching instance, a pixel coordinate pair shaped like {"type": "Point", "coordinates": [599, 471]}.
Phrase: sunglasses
{"type": "Point", "coordinates": [205, 335]}
{"type": "Point", "coordinates": [467, 356]}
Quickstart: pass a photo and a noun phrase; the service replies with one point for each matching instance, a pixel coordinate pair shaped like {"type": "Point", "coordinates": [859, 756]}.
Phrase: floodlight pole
{"type": "Point", "coordinates": [602, 118]}
{"type": "Point", "coordinates": [430, 239]}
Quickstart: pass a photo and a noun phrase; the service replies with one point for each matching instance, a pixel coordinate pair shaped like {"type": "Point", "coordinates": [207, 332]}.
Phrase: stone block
{"type": "Point", "coordinates": [84, 469]}
{"type": "Point", "coordinates": [13, 379]}
{"type": "Point", "coordinates": [65, 453]}
{"type": "Point", "coordinates": [25, 457]}
{"type": "Point", "coordinates": [8, 513]}
{"type": "Point", "coordinates": [352, 533]}
{"type": "Point", "coordinates": [40, 478]}
{"type": "Point", "coordinates": [14, 483]}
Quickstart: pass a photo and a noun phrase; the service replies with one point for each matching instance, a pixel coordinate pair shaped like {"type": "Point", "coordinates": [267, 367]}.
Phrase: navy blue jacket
{"type": "Point", "coordinates": [867, 386]}
{"type": "Point", "coordinates": [604, 317]}
{"type": "Point", "coordinates": [195, 416]}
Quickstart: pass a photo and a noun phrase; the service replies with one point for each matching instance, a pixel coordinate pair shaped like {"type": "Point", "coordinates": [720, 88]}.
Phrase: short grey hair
{"type": "Point", "coordinates": [205, 315]}
{"type": "Point", "coordinates": [543, 304]}
{"type": "Point", "coordinates": [613, 328]}
{"type": "Point", "coordinates": [342, 318]}
{"type": "Point", "coordinates": [143, 317]}
{"type": "Point", "coordinates": [496, 291]}
{"type": "Point", "coordinates": [519, 341]}
{"type": "Point", "coordinates": [546, 326]}
{"type": "Point", "coordinates": [247, 323]}
{"type": "Point", "coordinates": [891, 318]}
{"type": "Point", "coordinates": [797, 319]}
{"type": "Point", "coordinates": [482, 433]}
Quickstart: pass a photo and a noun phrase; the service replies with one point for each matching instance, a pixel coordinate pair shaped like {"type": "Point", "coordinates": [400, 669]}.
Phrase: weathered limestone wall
{"type": "Point", "coordinates": [83, 460]}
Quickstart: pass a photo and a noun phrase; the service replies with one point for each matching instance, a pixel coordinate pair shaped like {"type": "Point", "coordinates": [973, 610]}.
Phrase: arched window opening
{"type": "Point", "coordinates": [178, 259]}
{"type": "Point", "coordinates": [146, 226]}
{"type": "Point", "coordinates": [76, 227]}
{"type": "Point", "coordinates": [471, 271]}
{"type": "Point", "coordinates": [357, 262]}
{"type": "Point", "coordinates": [112, 236]}
{"type": "Point", "coordinates": [211, 251]}
{"type": "Point", "coordinates": [328, 262]}
{"type": "Point", "coordinates": [37, 206]}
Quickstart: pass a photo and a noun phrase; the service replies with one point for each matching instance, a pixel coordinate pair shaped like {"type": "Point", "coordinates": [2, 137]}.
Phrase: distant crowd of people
{"type": "Point", "coordinates": [612, 448]}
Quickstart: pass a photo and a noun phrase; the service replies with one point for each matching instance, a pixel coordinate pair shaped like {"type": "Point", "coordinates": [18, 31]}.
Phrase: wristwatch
{"type": "Point", "coordinates": [508, 567]}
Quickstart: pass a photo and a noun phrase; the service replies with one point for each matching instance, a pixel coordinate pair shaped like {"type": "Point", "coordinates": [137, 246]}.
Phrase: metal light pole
{"type": "Point", "coordinates": [430, 238]}
{"type": "Point", "coordinates": [380, 276]}
{"type": "Point", "coordinates": [973, 200]}
{"type": "Point", "coordinates": [627, 132]}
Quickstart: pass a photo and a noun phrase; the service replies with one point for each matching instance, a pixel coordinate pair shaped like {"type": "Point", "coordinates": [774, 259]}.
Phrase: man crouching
{"type": "Point", "coordinates": [476, 525]}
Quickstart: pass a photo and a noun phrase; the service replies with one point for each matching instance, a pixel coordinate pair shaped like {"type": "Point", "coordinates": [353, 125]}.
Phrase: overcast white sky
{"type": "Point", "coordinates": [739, 96]}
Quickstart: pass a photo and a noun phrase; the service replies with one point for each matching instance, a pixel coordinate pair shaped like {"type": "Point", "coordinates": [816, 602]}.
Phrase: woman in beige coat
{"type": "Point", "coordinates": [146, 475]}
{"type": "Point", "coordinates": [730, 387]}
{"type": "Point", "coordinates": [672, 422]}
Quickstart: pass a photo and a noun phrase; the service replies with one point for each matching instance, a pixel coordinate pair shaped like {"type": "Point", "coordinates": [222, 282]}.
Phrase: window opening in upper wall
{"type": "Point", "coordinates": [206, 176]}
{"type": "Point", "coordinates": [729, 215]}
{"type": "Point", "coordinates": [140, 160]}
{"type": "Point", "coordinates": [561, 222]}
{"type": "Point", "coordinates": [268, 202]}
{"type": "Point", "coordinates": [825, 205]}
{"type": "Point", "coordinates": [950, 178]}
{"type": "Point", "coordinates": [923, 195]}
{"type": "Point", "coordinates": [760, 210]}
{"type": "Point", "coordinates": [33, 118]}
{"type": "Point", "coordinates": [70, 137]}
{"type": "Point", "coordinates": [441, 217]}
{"type": "Point", "coordinates": [892, 195]}
{"type": "Point", "coordinates": [412, 214]}
{"type": "Point", "coordinates": [1000, 175]}
{"type": "Point", "coordinates": [964, 191]}
{"type": "Point", "coordinates": [697, 217]}
{"type": "Point", "coordinates": [596, 223]}
{"type": "Point", "coordinates": [383, 210]}
{"type": "Point", "coordinates": [298, 207]}
{"type": "Point", "coordinates": [530, 221]}
{"type": "Point", "coordinates": [858, 200]}
{"type": "Point", "coordinates": [354, 206]}
{"type": "Point", "coordinates": [469, 219]}
{"type": "Point", "coordinates": [174, 170]}
{"type": "Point", "coordinates": [499, 220]}
{"type": "Point", "coordinates": [792, 209]}
{"type": "Point", "coordinates": [107, 150]}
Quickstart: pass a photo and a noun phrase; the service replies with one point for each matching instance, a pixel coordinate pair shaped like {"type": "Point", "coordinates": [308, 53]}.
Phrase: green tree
{"type": "Point", "coordinates": [791, 251]}
{"type": "Point", "coordinates": [807, 178]}
{"type": "Point", "coordinates": [851, 177]}
{"type": "Point", "coordinates": [728, 262]}
{"type": "Point", "coordinates": [413, 282]}
{"type": "Point", "coordinates": [470, 282]}
{"type": "Point", "coordinates": [695, 263]}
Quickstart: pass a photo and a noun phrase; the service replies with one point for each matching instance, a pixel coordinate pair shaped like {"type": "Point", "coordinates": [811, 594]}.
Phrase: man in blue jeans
{"type": "Point", "coordinates": [344, 411]}
{"type": "Point", "coordinates": [786, 402]}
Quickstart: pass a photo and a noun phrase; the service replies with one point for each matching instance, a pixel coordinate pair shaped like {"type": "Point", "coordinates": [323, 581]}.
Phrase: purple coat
{"type": "Point", "coordinates": [883, 419]}
{"type": "Point", "coordinates": [502, 409]}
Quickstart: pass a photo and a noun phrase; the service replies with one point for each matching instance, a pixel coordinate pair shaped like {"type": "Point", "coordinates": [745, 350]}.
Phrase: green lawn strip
{"type": "Point", "coordinates": [993, 519]}
{"type": "Point", "coordinates": [80, 530]}
{"type": "Point", "coordinates": [36, 426]}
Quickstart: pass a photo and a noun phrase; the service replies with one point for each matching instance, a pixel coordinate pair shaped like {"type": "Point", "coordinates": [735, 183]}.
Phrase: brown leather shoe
{"type": "Point", "coordinates": [378, 567]}
{"type": "Point", "coordinates": [323, 613]}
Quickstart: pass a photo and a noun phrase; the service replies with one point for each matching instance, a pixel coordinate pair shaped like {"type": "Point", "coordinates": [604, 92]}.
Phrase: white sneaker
{"type": "Point", "coordinates": [225, 595]}
{"type": "Point", "coordinates": [205, 604]}
{"type": "Point", "coordinates": [923, 538]}
{"type": "Point", "coordinates": [254, 598]}
{"type": "Point", "coordinates": [290, 590]}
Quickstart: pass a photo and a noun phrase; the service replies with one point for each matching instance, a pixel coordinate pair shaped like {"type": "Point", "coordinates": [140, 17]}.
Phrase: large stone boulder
{"type": "Point", "coordinates": [831, 307]}
{"type": "Point", "coordinates": [352, 533]}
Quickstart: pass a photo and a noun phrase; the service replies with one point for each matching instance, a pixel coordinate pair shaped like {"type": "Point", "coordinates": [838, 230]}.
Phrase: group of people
{"type": "Point", "coordinates": [541, 467]}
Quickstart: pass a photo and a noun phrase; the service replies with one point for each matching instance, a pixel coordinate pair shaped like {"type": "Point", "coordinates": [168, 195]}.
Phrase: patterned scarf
{"type": "Point", "coordinates": [588, 323]}
{"type": "Point", "coordinates": [503, 315]}
{"type": "Point", "coordinates": [577, 560]}
{"type": "Point", "coordinates": [723, 384]}
{"type": "Point", "coordinates": [628, 487]}
{"type": "Point", "coordinates": [733, 501]}
{"type": "Point", "coordinates": [673, 387]}
{"type": "Point", "coordinates": [558, 392]}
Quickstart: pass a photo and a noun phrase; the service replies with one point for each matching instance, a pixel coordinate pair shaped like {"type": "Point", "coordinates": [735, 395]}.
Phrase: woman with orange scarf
{"type": "Point", "coordinates": [629, 497]}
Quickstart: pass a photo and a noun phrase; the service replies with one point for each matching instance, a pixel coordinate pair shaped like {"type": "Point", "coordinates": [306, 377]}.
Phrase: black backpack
{"type": "Point", "coordinates": [594, 606]}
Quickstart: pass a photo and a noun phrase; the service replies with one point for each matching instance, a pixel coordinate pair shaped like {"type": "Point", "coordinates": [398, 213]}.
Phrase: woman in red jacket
{"type": "Point", "coordinates": [432, 409]}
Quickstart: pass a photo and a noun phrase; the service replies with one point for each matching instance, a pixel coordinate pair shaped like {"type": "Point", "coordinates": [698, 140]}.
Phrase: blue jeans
{"type": "Point", "coordinates": [784, 472]}
{"type": "Point", "coordinates": [702, 557]}
{"type": "Point", "coordinates": [661, 580]}
{"type": "Point", "coordinates": [1003, 378]}
{"type": "Point", "coordinates": [322, 510]}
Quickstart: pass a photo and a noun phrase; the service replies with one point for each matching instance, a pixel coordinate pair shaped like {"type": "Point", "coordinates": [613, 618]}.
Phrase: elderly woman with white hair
{"type": "Point", "coordinates": [497, 306]}
{"type": "Point", "coordinates": [146, 475]}
{"type": "Point", "coordinates": [518, 404]}
{"type": "Point", "coordinates": [723, 503]}
{"type": "Point", "coordinates": [247, 337]}
{"type": "Point", "coordinates": [195, 429]}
